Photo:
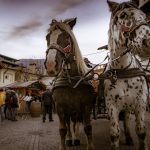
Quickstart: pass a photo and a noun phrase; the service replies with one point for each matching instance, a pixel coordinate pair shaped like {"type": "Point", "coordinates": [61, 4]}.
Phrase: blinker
{"type": "Point", "coordinates": [67, 49]}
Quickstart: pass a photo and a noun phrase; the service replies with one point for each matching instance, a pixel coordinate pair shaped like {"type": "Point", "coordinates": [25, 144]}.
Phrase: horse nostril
{"type": "Point", "coordinates": [128, 23]}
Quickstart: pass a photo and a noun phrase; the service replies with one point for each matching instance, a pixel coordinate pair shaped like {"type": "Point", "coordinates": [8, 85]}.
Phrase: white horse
{"type": "Point", "coordinates": [125, 88]}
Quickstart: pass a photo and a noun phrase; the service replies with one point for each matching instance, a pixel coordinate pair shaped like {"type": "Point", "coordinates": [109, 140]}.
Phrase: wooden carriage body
{"type": "Point", "coordinates": [145, 6]}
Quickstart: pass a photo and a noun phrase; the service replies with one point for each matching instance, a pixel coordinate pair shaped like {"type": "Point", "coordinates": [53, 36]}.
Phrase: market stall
{"type": "Point", "coordinates": [28, 88]}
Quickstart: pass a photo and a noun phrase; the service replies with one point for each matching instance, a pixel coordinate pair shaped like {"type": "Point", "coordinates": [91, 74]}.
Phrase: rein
{"type": "Point", "coordinates": [85, 75]}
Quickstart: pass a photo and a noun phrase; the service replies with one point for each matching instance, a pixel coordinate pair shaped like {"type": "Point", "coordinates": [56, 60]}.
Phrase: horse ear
{"type": "Point", "coordinates": [71, 22]}
{"type": "Point", "coordinates": [112, 5]}
{"type": "Point", "coordinates": [136, 2]}
{"type": "Point", "coordinates": [53, 21]}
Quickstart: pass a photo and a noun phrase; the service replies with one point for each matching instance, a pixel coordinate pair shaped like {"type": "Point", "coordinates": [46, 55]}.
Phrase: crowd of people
{"type": "Point", "coordinates": [10, 104]}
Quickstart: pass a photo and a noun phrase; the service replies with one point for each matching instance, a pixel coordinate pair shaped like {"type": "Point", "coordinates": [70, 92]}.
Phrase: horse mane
{"type": "Point", "coordinates": [82, 68]}
{"type": "Point", "coordinates": [114, 36]}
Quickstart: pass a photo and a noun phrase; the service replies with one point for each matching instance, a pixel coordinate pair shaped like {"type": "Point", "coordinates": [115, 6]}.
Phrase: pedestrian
{"type": "Point", "coordinates": [28, 100]}
{"type": "Point", "coordinates": [47, 102]}
{"type": "Point", "coordinates": [2, 105]}
{"type": "Point", "coordinates": [11, 102]}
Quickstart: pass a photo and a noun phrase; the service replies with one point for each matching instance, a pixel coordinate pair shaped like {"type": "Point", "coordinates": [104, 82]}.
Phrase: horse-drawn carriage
{"type": "Point", "coordinates": [145, 5]}
{"type": "Point", "coordinates": [125, 87]}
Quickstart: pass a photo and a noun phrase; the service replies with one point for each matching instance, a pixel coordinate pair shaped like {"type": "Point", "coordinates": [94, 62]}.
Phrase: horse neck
{"type": "Point", "coordinates": [73, 71]}
{"type": "Point", "coordinates": [77, 64]}
{"type": "Point", "coordinates": [125, 61]}
{"type": "Point", "coordinates": [70, 69]}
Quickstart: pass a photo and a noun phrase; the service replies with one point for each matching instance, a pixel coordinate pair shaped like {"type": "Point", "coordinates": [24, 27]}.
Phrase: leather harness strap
{"type": "Point", "coordinates": [119, 73]}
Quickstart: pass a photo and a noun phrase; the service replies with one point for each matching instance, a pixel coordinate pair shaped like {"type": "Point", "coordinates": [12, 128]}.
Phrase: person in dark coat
{"type": "Point", "coordinates": [11, 101]}
{"type": "Point", "coordinates": [47, 104]}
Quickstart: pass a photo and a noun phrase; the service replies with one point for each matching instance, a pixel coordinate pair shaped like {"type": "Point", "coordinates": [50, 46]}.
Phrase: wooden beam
{"type": "Point", "coordinates": [103, 47]}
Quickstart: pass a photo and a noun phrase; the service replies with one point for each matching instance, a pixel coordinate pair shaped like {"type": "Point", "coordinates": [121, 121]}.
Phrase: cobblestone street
{"type": "Point", "coordinates": [32, 134]}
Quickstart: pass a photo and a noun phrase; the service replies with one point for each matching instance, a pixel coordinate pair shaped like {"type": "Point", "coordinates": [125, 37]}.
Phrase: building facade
{"type": "Point", "coordinates": [13, 70]}
{"type": "Point", "coordinates": [7, 70]}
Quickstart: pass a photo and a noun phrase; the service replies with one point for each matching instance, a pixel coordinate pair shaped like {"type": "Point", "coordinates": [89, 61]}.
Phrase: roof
{"type": "Point", "coordinates": [8, 58]}
{"type": "Point", "coordinates": [9, 63]}
{"type": "Point", "coordinates": [28, 84]}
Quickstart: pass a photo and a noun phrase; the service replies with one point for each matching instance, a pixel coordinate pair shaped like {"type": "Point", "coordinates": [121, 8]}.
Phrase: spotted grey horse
{"type": "Point", "coordinates": [136, 25]}
{"type": "Point", "coordinates": [125, 86]}
{"type": "Point", "coordinates": [64, 61]}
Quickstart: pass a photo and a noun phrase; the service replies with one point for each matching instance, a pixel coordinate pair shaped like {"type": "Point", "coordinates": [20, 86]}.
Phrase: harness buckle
{"type": "Point", "coordinates": [112, 76]}
{"type": "Point", "coordinates": [113, 79]}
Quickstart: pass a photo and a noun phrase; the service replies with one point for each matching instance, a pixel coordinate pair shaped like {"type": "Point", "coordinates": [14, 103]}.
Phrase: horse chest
{"type": "Point", "coordinates": [125, 92]}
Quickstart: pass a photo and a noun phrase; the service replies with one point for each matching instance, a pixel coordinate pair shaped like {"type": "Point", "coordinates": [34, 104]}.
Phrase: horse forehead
{"type": "Point", "coordinates": [132, 12]}
{"type": "Point", "coordinates": [53, 39]}
{"type": "Point", "coordinates": [52, 55]}
{"type": "Point", "coordinates": [54, 35]}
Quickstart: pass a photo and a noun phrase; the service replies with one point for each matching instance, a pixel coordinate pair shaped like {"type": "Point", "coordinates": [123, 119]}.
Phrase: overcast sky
{"type": "Point", "coordinates": [24, 25]}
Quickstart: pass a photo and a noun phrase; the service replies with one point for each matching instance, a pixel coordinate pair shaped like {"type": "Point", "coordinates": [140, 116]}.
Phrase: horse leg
{"type": "Point", "coordinates": [62, 132]}
{"type": "Point", "coordinates": [114, 128]}
{"type": "Point", "coordinates": [69, 135]}
{"type": "Point", "coordinates": [140, 128]}
{"type": "Point", "coordinates": [129, 140]}
{"type": "Point", "coordinates": [76, 126]}
{"type": "Point", "coordinates": [88, 131]}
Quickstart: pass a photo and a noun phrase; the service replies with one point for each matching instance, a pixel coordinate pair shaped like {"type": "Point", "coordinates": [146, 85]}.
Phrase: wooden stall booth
{"type": "Point", "coordinates": [32, 90]}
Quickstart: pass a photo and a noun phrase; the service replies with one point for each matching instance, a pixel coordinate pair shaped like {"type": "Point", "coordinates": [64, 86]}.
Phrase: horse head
{"type": "Point", "coordinates": [129, 28]}
{"type": "Point", "coordinates": [62, 48]}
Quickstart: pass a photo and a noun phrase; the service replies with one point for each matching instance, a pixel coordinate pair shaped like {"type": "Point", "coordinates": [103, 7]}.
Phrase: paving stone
{"type": "Point", "coordinates": [32, 134]}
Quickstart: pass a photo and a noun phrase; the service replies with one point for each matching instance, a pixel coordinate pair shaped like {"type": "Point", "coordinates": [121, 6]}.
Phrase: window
{"type": "Point", "coordinates": [6, 76]}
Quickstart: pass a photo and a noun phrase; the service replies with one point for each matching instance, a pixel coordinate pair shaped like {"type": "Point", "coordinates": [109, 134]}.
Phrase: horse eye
{"type": "Point", "coordinates": [56, 27]}
{"type": "Point", "coordinates": [123, 15]}
{"type": "Point", "coordinates": [116, 19]}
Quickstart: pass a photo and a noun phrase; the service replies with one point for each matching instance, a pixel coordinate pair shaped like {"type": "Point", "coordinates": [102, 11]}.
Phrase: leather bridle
{"type": "Point", "coordinates": [129, 30]}
{"type": "Point", "coordinates": [133, 28]}
{"type": "Point", "coordinates": [64, 51]}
